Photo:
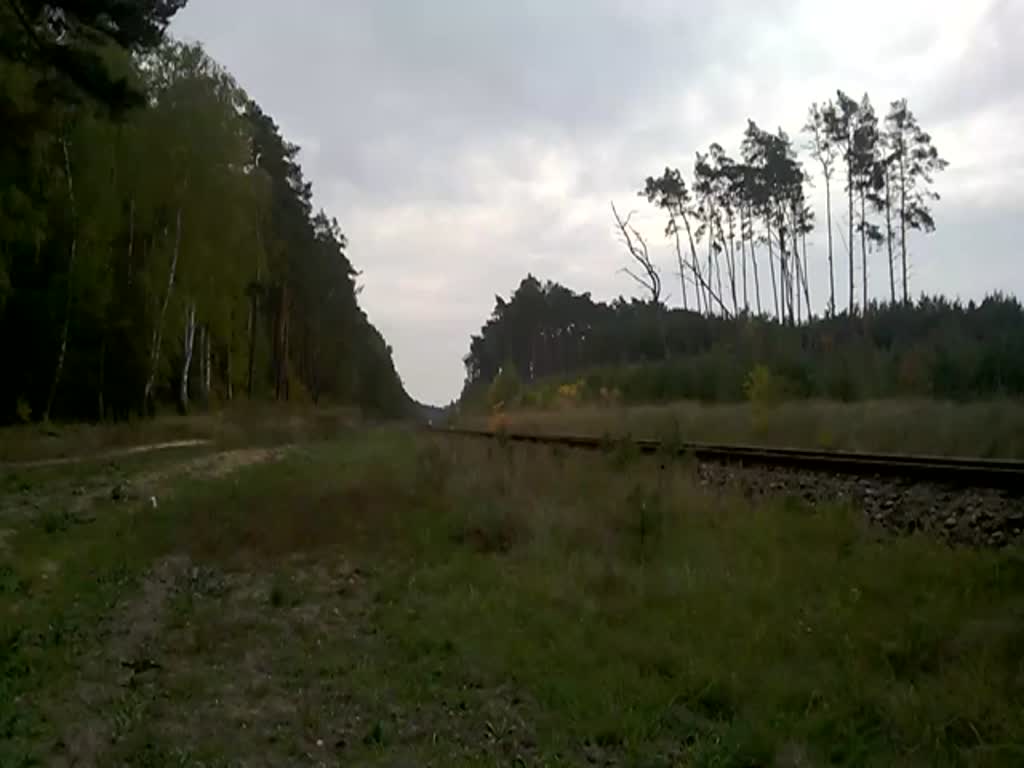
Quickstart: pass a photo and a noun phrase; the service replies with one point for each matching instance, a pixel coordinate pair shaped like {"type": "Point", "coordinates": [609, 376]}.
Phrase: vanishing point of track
{"type": "Point", "coordinates": [960, 471]}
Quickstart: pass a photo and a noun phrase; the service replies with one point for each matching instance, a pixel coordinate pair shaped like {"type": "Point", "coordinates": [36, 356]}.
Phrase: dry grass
{"type": "Point", "coordinates": [243, 423]}
{"type": "Point", "coordinates": [991, 429]}
{"type": "Point", "coordinates": [392, 600]}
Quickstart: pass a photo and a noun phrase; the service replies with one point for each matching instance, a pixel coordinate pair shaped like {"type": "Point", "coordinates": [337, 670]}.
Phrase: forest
{"type": "Point", "coordinates": [547, 334]}
{"type": "Point", "coordinates": [733, 207]}
{"type": "Point", "coordinates": [159, 245]}
{"type": "Point", "coordinates": [739, 231]}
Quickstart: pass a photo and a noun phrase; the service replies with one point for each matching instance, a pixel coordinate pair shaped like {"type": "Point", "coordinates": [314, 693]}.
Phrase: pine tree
{"type": "Point", "coordinates": [915, 161]}
{"type": "Point", "coordinates": [824, 150]}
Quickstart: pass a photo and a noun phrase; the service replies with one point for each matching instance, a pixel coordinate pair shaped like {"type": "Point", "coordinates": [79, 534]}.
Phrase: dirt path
{"type": "Point", "coordinates": [76, 495]}
{"type": "Point", "coordinates": [114, 454]}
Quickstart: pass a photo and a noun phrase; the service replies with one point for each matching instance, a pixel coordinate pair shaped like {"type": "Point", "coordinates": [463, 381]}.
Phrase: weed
{"type": "Point", "coordinates": [493, 527]}
{"type": "Point", "coordinates": [281, 592]}
{"type": "Point", "coordinates": [989, 429]}
{"type": "Point", "coordinates": [433, 470]}
{"type": "Point", "coordinates": [54, 521]}
{"type": "Point", "coordinates": [375, 737]}
{"type": "Point", "coordinates": [531, 606]}
{"type": "Point", "coordinates": [622, 453]}
{"type": "Point", "coordinates": [644, 519]}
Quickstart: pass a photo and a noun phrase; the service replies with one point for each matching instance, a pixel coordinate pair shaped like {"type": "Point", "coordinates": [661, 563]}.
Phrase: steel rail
{"type": "Point", "coordinates": [960, 471]}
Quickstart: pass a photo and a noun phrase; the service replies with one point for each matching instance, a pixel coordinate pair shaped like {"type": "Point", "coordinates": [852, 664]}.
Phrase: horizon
{"type": "Point", "coordinates": [445, 134]}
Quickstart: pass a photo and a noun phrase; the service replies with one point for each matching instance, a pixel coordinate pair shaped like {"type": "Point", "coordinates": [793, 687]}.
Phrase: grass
{"type": "Point", "coordinates": [386, 599]}
{"type": "Point", "coordinates": [242, 423]}
{"type": "Point", "coordinates": [986, 429]}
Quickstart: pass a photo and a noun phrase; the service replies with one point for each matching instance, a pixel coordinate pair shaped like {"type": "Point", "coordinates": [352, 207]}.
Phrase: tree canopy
{"type": "Point", "coordinates": [158, 239]}
{"type": "Point", "coordinates": [736, 209]}
{"type": "Point", "coordinates": [549, 334]}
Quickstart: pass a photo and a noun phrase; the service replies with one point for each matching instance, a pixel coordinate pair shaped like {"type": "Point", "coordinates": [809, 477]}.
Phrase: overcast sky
{"type": "Point", "coordinates": [464, 143]}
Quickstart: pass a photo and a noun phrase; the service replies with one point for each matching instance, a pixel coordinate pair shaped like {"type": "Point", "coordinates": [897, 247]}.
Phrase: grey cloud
{"type": "Point", "coordinates": [990, 73]}
{"type": "Point", "coordinates": [462, 143]}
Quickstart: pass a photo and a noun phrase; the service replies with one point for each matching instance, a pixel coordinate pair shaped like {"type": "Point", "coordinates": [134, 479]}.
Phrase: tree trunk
{"type": "Point", "coordinates": [230, 389]}
{"type": "Point", "coordinates": [903, 229]}
{"type": "Point", "coordinates": [281, 388]}
{"type": "Point", "coordinates": [771, 267]}
{"type": "Point", "coordinates": [679, 258]}
{"type": "Point", "coordinates": [863, 252]}
{"type": "Point", "coordinates": [154, 352]}
{"type": "Point", "coordinates": [888, 236]}
{"type": "Point", "coordinates": [831, 264]}
{"type": "Point", "coordinates": [718, 277]}
{"type": "Point", "coordinates": [190, 331]}
{"type": "Point", "coordinates": [743, 263]}
{"type": "Point", "coordinates": [202, 363]}
{"type": "Point", "coordinates": [807, 289]}
{"type": "Point", "coordinates": [711, 252]}
{"type": "Point", "coordinates": [251, 333]}
{"type": "Point", "coordinates": [849, 195]}
{"type": "Point", "coordinates": [796, 262]}
{"type": "Point", "coordinates": [797, 278]}
{"type": "Point", "coordinates": [753, 264]}
{"type": "Point", "coordinates": [696, 265]}
{"type": "Point", "coordinates": [731, 263]}
{"type": "Point", "coordinates": [254, 311]}
{"type": "Point", "coordinates": [103, 356]}
{"type": "Point", "coordinates": [62, 351]}
{"type": "Point", "coordinates": [785, 271]}
{"type": "Point", "coordinates": [209, 365]}
{"type": "Point", "coordinates": [131, 230]}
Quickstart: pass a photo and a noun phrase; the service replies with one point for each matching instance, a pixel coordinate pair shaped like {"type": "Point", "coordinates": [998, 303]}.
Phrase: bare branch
{"type": "Point", "coordinates": [637, 247]}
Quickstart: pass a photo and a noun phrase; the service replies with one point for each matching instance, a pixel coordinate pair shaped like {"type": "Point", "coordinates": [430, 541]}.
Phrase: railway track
{"type": "Point", "coordinates": [1005, 474]}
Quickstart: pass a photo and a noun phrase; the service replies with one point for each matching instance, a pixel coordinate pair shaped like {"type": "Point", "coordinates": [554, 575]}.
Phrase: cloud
{"type": "Point", "coordinates": [463, 143]}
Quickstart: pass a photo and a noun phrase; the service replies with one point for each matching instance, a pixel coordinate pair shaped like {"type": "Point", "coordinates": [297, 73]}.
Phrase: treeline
{"type": "Point", "coordinates": [158, 241]}
{"type": "Point", "coordinates": [545, 335]}
{"type": "Point", "coordinates": [737, 214]}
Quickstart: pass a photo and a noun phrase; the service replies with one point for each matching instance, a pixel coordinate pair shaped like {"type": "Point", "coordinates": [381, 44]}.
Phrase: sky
{"type": "Point", "coordinates": [465, 143]}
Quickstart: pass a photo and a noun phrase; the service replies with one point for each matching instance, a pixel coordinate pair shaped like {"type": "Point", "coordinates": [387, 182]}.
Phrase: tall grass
{"type": "Point", "coordinates": [649, 619]}
{"type": "Point", "coordinates": [242, 423]}
{"type": "Point", "coordinates": [553, 607]}
{"type": "Point", "coordinates": [986, 429]}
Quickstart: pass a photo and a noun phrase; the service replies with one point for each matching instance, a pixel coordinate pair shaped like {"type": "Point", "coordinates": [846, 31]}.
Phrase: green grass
{"type": "Point", "coordinates": [241, 423]}
{"type": "Point", "coordinates": [388, 600]}
{"type": "Point", "coordinates": [986, 429]}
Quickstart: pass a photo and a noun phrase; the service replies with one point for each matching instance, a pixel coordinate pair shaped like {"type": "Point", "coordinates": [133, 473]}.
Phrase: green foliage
{"type": "Point", "coordinates": [505, 387]}
{"type": "Point", "coordinates": [544, 625]}
{"type": "Point", "coordinates": [116, 229]}
{"type": "Point", "coordinates": [934, 348]}
{"type": "Point", "coordinates": [23, 410]}
{"type": "Point", "coordinates": [763, 388]}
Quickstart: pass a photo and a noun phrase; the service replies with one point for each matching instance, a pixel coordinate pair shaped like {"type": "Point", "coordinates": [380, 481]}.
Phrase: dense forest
{"type": "Point", "coordinates": [158, 240]}
{"type": "Point", "coordinates": [546, 334]}
{"type": "Point", "coordinates": [739, 231]}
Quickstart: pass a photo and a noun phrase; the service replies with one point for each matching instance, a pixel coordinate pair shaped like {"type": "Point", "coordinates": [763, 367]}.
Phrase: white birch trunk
{"type": "Point", "coordinates": [202, 362]}
{"type": "Point", "coordinates": [190, 332]}
{"type": "Point", "coordinates": [154, 352]}
{"type": "Point", "coordinates": [230, 384]}
{"type": "Point", "coordinates": [207, 378]}
{"type": "Point", "coordinates": [62, 352]}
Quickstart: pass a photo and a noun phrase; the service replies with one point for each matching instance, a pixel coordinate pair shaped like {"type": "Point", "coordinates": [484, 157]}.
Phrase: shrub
{"type": "Point", "coordinates": [506, 386]}
{"type": "Point", "coordinates": [763, 387]}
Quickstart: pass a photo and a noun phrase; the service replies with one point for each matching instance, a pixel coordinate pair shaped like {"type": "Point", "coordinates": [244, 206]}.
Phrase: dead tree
{"type": "Point", "coordinates": [650, 280]}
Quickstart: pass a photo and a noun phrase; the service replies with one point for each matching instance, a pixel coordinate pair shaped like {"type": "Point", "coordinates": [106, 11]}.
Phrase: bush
{"type": "Point", "coordinates": [506, 386]}
{"type": "Point", "coordinates": [23, 410]}
{"type": "Point", "coordinates": [763, 387]}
